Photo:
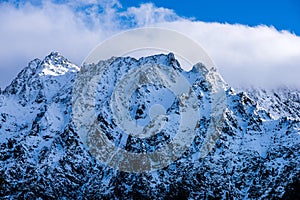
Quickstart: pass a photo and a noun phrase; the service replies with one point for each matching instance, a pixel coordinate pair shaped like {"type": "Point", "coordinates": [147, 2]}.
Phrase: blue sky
{"type": "Point", "coordinates": [242, 41]}
{"type": "Point", "coordinates": [282, 14]}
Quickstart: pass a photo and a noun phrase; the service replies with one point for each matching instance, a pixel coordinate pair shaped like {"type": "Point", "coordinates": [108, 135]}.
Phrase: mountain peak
{"type": "Point", "coordinates": [42, 80]}
{"type": "Point", "coordinates": [42, 154]}
{"type": "Point", "coordinates": [55, 65]}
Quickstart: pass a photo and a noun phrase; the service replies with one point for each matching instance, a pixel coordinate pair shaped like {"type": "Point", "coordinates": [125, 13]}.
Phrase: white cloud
{"type": "Point", "coordinates": [259, 55]}
{"type": "Point", "coordinates": [147, 15]}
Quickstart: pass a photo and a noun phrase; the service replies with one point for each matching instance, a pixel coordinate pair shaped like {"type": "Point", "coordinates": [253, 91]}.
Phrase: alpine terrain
{"type": "Point", "coordinates": [254, 153]}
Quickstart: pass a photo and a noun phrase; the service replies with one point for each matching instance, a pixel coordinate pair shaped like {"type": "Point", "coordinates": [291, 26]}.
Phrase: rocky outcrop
{"type": "Point", "coordinates": [42, 155]}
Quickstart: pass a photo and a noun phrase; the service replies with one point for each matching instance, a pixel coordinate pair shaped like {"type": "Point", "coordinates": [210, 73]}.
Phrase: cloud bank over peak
{"type": "Point", "coordinates": [259, 56]}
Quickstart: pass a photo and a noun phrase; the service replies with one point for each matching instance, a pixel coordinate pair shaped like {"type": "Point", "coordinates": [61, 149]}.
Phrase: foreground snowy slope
{"type": "Point", "coordinates": [41, 154]}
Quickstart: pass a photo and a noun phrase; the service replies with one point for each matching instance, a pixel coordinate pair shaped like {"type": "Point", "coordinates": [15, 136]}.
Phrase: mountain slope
{"type": "Point", "coordinates": [257, 155]}
{"type": "Point", "coordinates": [280, 102]}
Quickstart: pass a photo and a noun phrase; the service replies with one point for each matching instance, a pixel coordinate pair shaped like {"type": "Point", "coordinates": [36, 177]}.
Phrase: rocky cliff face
{"type": "Point", "coordinates": [256, 156]}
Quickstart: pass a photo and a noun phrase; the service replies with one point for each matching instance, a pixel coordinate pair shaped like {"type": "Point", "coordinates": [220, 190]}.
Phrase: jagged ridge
{"type": "Point", "coordinates": [257, 155]}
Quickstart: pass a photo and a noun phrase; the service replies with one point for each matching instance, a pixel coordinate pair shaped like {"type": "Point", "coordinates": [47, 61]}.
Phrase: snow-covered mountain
{"type": "Point", "coordinates": [256, 156]}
